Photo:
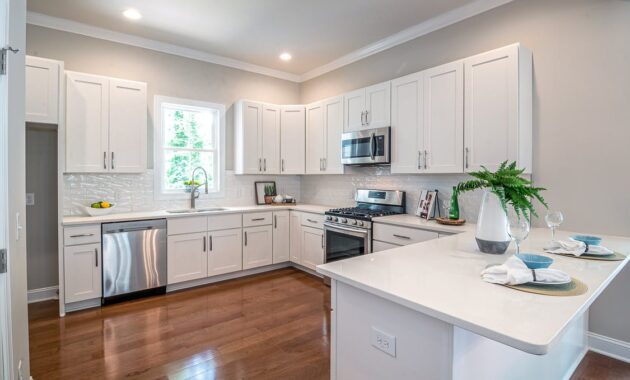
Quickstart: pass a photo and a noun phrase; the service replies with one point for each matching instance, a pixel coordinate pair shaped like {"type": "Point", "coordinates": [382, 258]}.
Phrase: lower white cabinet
{"type": "Point", "coordinates": [295, 234]}
{"type": "Point", "coordinates": [187, 257]}
{"type": "Point", "coordinates": [257, 246]}
{"type": "Point", "coordinates": [82, 279]}
{"type": "Point", "coordinates": [281, 238]}
{"type": "Point", "coordinates": [225, 251]}
{"type": "Point", "coordinates": [378, 246]}
{"type": "Point", "coordinates": [312, 247]}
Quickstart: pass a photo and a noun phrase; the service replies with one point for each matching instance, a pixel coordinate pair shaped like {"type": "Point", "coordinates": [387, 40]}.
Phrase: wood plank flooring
{"type": "Point", "coordinates": [270, 326]}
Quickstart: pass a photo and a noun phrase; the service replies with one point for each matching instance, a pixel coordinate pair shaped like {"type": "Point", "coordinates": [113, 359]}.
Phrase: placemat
{"type": "Point", "coordinates": [573, 288]}
{"type": "Point", "coordinates": [614, 257]}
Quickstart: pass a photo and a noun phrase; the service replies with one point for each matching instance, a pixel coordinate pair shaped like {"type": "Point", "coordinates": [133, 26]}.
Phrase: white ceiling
{"type": "Point", "coordinates": [315, 32]}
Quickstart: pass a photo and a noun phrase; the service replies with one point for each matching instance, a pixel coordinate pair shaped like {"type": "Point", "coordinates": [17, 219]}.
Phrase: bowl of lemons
{"type": "Point", "coordinates": [99, 208]}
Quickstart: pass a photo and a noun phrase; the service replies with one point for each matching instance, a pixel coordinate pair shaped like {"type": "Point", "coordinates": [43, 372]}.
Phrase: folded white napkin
{"type": "Point", "coordinates": [576, 248]}
{"type": "Point", "coordinates": [514, 272]}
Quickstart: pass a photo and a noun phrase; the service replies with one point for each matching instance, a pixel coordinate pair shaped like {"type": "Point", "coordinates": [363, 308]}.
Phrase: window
{"type": "Point", "coordinates": [188, 134]}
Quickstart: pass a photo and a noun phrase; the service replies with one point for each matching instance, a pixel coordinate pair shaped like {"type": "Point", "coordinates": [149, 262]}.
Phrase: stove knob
{"type": "Point", "coordinates": [343, 220]}
{"type": "Point", "coordinates": [360, 223]}
{"type": "Point", "coordinates": [354, 222]}
{"type": "Point", "coordinates": [335, 219]}
{"type": "Point", "coordinates": [329, 217]}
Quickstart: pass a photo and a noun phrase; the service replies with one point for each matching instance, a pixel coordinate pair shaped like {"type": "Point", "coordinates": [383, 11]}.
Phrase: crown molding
{"type": "Point", "coordinates": [66, 25]}
{"type": "Point", "coordinates": [413, 32]}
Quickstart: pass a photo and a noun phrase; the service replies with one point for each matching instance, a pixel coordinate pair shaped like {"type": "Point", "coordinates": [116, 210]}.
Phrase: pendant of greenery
{"type": "Point", "coordinates": [508, 185]}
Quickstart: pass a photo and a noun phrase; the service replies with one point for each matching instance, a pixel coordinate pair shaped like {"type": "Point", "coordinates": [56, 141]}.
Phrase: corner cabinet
{"type": "Point", "coordinates": [281, 236]}
{"type": "Point", "coordinates": [312, 241]}
{"type": "Point", "coordinates": [324, 126]}
{"type": "Point", "coordinates": [367, 108]}
{"type": "Point", "coordinates": [292, 139]}
{"type": "Point", "coordinates": [256, 138]}
{"type": "Point", "coordinates": [42, 90]}
{"type": "Point", "coordinates": [106, 124]}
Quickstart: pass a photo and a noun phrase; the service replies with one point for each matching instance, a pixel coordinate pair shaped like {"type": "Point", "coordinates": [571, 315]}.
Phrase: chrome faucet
{"type": "Point", "coordinates": [194, 194]}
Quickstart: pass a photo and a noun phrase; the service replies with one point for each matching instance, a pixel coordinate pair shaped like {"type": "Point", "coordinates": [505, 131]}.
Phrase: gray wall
{"type": "Point", "coordinates": [581, 109]}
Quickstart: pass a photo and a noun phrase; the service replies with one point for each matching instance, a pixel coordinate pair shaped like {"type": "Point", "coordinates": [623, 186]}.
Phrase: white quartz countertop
{"type": "Point", "coordinates": [413, 221]}
{"type": "Point", "coordinates": [143, 215]}
{"type": "Point", "coordinates": [441, 278]}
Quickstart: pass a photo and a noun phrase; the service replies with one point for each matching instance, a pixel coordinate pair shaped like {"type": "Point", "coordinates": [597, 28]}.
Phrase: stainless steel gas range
{"type": "Point", "coordinates": [348, 231]}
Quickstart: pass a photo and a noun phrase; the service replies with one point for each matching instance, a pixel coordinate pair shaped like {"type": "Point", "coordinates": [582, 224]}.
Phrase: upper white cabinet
{"type": "Point", "coordinates": [498, 108]}
{"type": "Point", "coordinates": [292, 139]}
{"type": "Point", "coordinates": [367, 108]}
{"type": "Point", "coordinates": [42, 90]}
{"type": "Point", "coordinates": [256, 138]}
{"type": "Point", "coordinates": [270, 139]}
{"type": "Point", "coordinates": [281, 240]}
{"type": "Point", "coordinates": [324, 126]}
{"type": "Point", "coordinates": [106, 124]}
{"type": "Point", "coordinates": [407, 132]}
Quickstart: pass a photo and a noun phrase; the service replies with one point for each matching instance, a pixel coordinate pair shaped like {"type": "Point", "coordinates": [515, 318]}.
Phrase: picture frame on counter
{"type": "Point", "coordinates": [265, 191]}
{"type": "Point", "coordinates": [427, 204]}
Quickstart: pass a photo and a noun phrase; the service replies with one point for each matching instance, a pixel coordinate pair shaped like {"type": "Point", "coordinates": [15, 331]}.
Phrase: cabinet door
{"type": "Point", "coordinates": [444, 119]}
{"type": "Point", "coordinates": [292, 140]}
{"type": "Point", "coordinates": [377, 105]}
{"type": "Point", "coordinates": [491, 108]}
{"type": "Point", "coordinates": [270, 139]}
{"type": "Point", "coordinates": [312, 247]}
{"type": "Point", "coordinates": [87, 123]}
{"type": "Point", "coordinates": [281, 237]}
{"type": "Point", "coordinates": [333, 117]}
{"type": "Point", "coordinates": [247, 138]}
{"type": "Point", "coordinates": [407, 124]}
{"type": "Point", "coordinates": [127, 126]}
{"type": "Point", "coordinates": [225, 251]}
{"type": "Point", "coordinates": [257, 246]}
{"type": "Point", "coordinates": [315, 138]}
{"type": "Point", "coordinates": [42, 90]}
{"type": "Point", "coordinates": [354, 109]}
{"type": "Point", "coordinates": [378, 246]}
{"type": "Point", "coordinates": [82, 267]}
{"type": "Point", "coordinates": [295, 237]}
{"type": "Point", "coordinates": [187, 257]}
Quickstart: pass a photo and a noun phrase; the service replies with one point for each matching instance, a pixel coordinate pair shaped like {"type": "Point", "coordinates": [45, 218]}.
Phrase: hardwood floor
{"type": "Point", "coordinates": [270, 326]}
{"type": "Point", "coordinates": [274, 325]}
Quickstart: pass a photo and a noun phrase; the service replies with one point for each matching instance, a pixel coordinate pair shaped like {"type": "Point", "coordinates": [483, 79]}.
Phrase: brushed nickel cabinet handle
{"type": "Point", "coordinates": [466, 157]}
{"type": "Point", "coordinates": [81, 235]}
{"type": "Point", "coordinates": [204, 244]}
{"type": "Point", "coordinates": [260, 164]}
{"type": "Point", "coordinates": [419, 160]}
{"type": "Point", "coordinates": [96, 257]}
{"type": "Point", "coordinates": [245, 237]}
{"type": "Point", "coordinates": [322, 241]}
{"type": "Point", "coordinates": [275, 221]}
{"type": "Point", "coordinates": [257, 219]}
{"type": "Point", "coordinates": [402, 237]}
{"type": "Point", "coordinates": [210, 242]}
{"type": "Point", "coordinates": [264, 164]}
{"type": "Point", "coordinates": [113, 165]}
{"type": "Point", "coordinates": [426, 154]}
{"type": "Point", "coordinates": [282, 163]}
{"type": "Point", "coordinates": [311, 220]}
{"type": "Point", "coordinates": [105, 160]}
{"type": "Point", "coordinates": [367, 120]}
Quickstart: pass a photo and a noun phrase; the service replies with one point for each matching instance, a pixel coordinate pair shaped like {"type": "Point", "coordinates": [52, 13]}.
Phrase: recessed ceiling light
{"type": "Point", "coordinates": [285, 56]}
{"type": "Point", "coordinates": [132, 14]}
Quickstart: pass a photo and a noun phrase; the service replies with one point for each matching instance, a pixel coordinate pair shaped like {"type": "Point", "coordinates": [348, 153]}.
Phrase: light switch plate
{"type": "Point", "coordinates": [383, 341]}
{"type": "Point", "coordinates": [30, 199]}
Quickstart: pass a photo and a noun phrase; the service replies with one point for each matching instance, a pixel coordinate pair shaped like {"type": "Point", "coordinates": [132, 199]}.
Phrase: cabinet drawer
{"type": "Point", "coordinates": [257, 219]}
{"type": "Point", "coordinates": [401, 235]}
{"type": "Point", "coordinates": [82, 235]}
{"type": "Point", "coordinates": [313, 220]}
{"type": "Point", "coordinates": [225, 222]}
{"type": "Point", "coordinates": [177, 226]}
{"type": "Point", "coordinates": [378, 246]}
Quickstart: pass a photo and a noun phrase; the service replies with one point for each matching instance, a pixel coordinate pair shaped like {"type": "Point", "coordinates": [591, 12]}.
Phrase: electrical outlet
{"type": "Point", "coordinates": [30, 199]}
{"type": "Point", "coordinates": [383, 341]}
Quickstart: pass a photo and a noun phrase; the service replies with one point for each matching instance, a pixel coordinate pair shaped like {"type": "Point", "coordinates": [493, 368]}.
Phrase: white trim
{"type": "Point", "coordinates": [614, 348]}
{"type": "Point", "coordinates": [575, 364]}
{"type": "Point", "coordinates": [70, 26]}
{"type": "Point", "coordinates": [43, 294]}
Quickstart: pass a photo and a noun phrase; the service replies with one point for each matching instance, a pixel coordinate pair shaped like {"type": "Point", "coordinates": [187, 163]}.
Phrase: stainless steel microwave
{"type": "Point", "coordinates": [366, 147]}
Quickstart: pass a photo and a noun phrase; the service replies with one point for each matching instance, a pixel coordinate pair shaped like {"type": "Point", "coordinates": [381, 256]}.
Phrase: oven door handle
{"type": "Point", "coordinates": [346, 229]}
{"type": "Point", "coordinates": [373, 146]}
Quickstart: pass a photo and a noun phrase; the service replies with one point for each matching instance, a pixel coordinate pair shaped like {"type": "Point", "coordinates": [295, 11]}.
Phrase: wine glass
{"type": "Point", "coordinates": [554, 219]}
{"type": "Point", "coordinates": [518, 229]}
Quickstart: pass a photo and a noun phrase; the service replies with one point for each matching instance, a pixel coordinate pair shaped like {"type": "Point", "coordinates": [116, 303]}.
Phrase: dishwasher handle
{"type": "Point", "coordinates": [134, 226]}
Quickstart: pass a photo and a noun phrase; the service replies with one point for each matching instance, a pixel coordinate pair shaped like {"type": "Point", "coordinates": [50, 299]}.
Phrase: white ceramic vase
{"type": "Point", "coordinates": [492, 230]}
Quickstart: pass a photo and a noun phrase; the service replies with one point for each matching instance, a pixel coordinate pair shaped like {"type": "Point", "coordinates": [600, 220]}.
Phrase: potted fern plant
{"type": "Point", "coordinates": [503, 189]}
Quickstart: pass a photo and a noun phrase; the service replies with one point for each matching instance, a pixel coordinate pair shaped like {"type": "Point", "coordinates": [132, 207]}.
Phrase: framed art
{"type": "Point", "coordinates": [426, 204]}
{"type": "Point", "coordinates": [264, 191]}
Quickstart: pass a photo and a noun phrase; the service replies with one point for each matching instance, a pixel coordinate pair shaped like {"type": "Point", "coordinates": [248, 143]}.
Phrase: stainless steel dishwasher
{"type": "Point", "coordinates": [134, 259]}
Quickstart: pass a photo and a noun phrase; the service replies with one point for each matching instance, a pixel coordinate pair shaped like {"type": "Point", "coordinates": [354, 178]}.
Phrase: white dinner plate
{"type": "Point", "coordinates": [550, 283]}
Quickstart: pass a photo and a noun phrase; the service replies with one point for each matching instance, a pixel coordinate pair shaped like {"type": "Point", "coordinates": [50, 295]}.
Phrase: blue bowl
{"type": "Point", "coordinates": [590, 240]}
{"type": "Point", "coordinates": [535, 261]}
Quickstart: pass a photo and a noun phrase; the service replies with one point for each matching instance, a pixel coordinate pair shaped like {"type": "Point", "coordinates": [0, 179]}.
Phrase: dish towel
{"type": "Point", "coordinates": [515, 272]}
{"type": "Point", "coordinates": [576, 248]}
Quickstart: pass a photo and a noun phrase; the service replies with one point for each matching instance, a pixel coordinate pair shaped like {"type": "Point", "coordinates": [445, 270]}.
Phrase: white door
{"type": "Point", "coordinates": [315, 138]}
{"type": "Point", "coordinates": [127, 126]}
{"type": "Point", "coordinates": [312, 247]}
{"type": "Point", "coordinates": [270, 142]}
{"type": "Point", "coordinates": [407, 124]}
{"type": "Point", "coordinates": [354, 111]}
{"type": "Point", "coordinates": [333, 117]}
{"type": "Point", "coordinates": [257, 246]}
{"type": "Point", "coordinates": [491, 108]}
{"type": "Point", "coordinates": [82, 265]}
{"type": "Point", "coordinates": [444, 118]}
{"type": "Point", "coordinates": [87, 123]}
{"type": "Point", "coordinates": [187, 257]}
{"type": "Point", "coordinates": [42, 90]}
{"type": "Point", "coordinates": [281, 237]}
{"type": "Point", "coordinates": [292, 140]}
{"type": "Point", "coordinates": [295, 237]}
{"type": "Point", "coordinates": [225, 251]}
{"type": "Point", "coordinates": [251, 130]}
{"type": "Point", "coordinates": [377, 105]}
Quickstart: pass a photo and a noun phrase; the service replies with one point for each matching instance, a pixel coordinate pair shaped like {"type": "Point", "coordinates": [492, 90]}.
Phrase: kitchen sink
{"type": "Point", "coordinates": [195, 210]}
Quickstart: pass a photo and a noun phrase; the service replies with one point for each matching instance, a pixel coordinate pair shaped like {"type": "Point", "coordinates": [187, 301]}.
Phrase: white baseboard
{"type": "Point", "coordinates": [616, 349]}
{"type": "Point", "coordinates": [43, 294]}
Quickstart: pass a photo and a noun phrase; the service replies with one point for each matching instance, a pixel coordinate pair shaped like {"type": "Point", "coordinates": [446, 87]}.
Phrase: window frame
{"type": "Point", "coordinates": [158, 132]}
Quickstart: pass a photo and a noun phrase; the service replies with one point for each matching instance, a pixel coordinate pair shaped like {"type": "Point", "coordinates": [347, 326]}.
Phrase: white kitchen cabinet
{"type": "Point", "coordinates": [378, 246]}
{"type": "Point", "coordinates": [270, 139]}
{"type": "Point", "coordinates": [315, 138]}
{"type": "Point", "coordinates": [292, 139]}
{"type": "Point", "coordinates": [257, 246]}
{"type": "Point", "coordinates": [281, 237]}
{"type": "Point", "coordinates": [225, 251]}
{"type": "Point", "coordinates": [256, 138]}
{"type": "Point", "coordinates": [367, 108]}
{"type": "Point", "coordinates": [312, 247]}
{"type": "Point", "coordinates": [295, 237]}
{"type": "Point", "coordinates": [187, 257]}
{"type": "Point", "coordinates": [498, 108]}
{"type": "Point", "coordinates": [106, 124]}
{"type": "Point", "coordinates": [42, 90]}
{"type": "Point", "coordinates": [82, 267]}
{"type": "Point", "coordinates": [324, 126]}
{"type": "Point", "coordinates": [407, 131]}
